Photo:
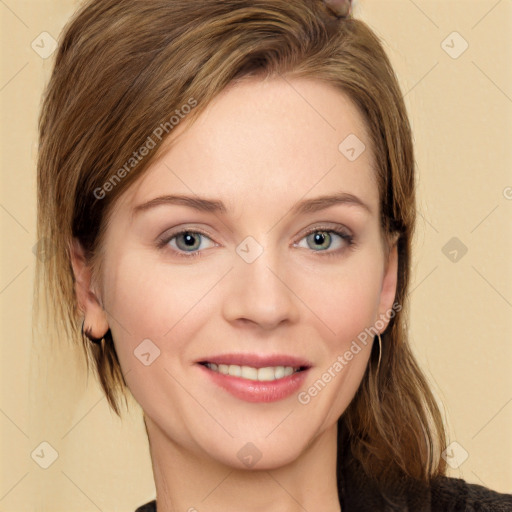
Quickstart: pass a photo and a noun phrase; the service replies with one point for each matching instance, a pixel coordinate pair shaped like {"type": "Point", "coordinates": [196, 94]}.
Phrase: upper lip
{"type": "Point", "coordinates": [257, 360]}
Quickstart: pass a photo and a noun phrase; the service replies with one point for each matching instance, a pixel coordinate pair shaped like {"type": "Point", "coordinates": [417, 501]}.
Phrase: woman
{"type": "Point", "coordinates": [229, 186]}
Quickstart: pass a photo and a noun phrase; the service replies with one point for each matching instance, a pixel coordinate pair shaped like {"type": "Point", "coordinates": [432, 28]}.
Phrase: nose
{"type": "Point", "coordinates": [261, 292]}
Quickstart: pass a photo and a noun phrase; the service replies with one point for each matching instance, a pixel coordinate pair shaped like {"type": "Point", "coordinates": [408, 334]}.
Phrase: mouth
{"type": "Point", "coordinates": [265, 374]}
{"type": "Point", "coordinates": [256, 378]}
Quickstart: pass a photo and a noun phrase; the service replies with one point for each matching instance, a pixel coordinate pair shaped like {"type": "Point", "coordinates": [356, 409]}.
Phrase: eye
{"type": "Point", "coordinates": [323, 240]}
{"type": "Point", "coordinates": [186, 243]}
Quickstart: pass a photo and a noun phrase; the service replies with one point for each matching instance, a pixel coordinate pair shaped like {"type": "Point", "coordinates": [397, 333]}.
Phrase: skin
{"type": "Point", "coordinates": [260, 147]}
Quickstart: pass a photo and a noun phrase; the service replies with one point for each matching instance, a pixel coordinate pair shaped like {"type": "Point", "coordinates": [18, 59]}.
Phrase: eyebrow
{"type": "Point", "coordinates": [217, 206]}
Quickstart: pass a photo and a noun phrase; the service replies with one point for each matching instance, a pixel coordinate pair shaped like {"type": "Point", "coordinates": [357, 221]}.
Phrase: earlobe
{"type": "Point", "coordinates": [88, 300]}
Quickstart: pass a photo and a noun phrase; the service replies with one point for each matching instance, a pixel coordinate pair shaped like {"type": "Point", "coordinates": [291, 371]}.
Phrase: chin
{"type": "Point", "coordinates": [260, 453]}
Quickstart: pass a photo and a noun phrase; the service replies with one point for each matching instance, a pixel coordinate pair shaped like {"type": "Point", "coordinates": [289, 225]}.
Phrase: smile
{"type": "Point", "coordinates": [266, 374]}
{"type": "Point", "coordinates": [263, 382]}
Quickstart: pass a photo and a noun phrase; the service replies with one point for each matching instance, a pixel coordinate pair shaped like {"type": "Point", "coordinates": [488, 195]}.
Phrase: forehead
{"type": "Point", "coordinates": [262, 138]}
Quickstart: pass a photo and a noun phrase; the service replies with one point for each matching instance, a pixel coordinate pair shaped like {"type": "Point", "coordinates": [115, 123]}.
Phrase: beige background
{"type": "Point", "coordinates": [461, 325]}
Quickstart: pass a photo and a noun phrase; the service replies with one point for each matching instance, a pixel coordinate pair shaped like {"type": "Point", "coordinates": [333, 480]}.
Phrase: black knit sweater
{"type": "Point", "coordinates": [446, 495]}
{"type": "Point", "coordinates": [358, 494]}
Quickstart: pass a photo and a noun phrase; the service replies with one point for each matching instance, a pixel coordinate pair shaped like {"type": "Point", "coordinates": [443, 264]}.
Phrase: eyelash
{"type": "Point", "coordinates": [349, 239]}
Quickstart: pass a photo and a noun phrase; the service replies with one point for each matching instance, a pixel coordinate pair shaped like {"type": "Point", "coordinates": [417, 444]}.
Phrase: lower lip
{"type": "Point", "coordinates": [255, 390]}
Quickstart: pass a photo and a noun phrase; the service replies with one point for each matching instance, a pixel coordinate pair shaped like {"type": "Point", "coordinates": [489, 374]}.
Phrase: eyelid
{"type": "Point", "coordinates": [327, 226]}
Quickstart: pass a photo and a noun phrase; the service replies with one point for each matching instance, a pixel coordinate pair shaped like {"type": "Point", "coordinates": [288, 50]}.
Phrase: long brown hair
{"type": "Point", "coordinates": [123, 69]}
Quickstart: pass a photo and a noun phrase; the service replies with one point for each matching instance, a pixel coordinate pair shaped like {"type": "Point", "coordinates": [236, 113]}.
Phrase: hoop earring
{"type": "Point", "coordinates": [380, 351]}
{"type": "Point", "coordinates": [88, 335]}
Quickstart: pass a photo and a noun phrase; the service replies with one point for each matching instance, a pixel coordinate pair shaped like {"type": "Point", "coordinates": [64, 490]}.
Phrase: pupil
{"type": "Point", "coordinates": [189, 239]}
{"type": "Point", "coordinates": [320, 238]}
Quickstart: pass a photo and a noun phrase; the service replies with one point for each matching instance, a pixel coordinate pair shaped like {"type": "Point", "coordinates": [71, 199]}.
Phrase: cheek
{"type": "Point", "coordinates": [152, 295]}
{"type": "Point", "coordinates": [344, 298]}
{"type": "Point", "coordinates": [152, 300]}
{"type": "Point", "coordinates": [347, 304]}
{"type": "Point", "coordinates": [146, 302]}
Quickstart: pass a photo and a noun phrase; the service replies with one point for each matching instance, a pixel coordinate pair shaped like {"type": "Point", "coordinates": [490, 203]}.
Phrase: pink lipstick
{"type": "Point", "coordinates": [256, 377]}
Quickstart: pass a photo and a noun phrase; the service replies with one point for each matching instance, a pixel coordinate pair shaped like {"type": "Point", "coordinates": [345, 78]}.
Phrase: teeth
{"type": "Point", "coordinates": [235, 370]}
{"type": "Point", "coordinates": [248, 372]}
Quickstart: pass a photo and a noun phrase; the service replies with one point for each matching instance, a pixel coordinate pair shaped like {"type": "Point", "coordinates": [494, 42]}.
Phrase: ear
{"type": "Point", "coordinates": [88, 299]}
{"type": "Point", "coordinates": [389, 284]}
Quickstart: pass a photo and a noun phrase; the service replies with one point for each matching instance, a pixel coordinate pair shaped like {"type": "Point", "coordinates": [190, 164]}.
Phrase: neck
{"type": "Point", "coordinates": [189, 481]}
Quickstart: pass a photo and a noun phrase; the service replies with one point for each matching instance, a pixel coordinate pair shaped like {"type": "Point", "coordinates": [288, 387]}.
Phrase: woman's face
{"type": "Point", "coordinates": [251, 285]}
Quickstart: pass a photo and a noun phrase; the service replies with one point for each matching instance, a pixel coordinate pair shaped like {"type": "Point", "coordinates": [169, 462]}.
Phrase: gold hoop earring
{"type": "Point", "coordinates": [380, 351]}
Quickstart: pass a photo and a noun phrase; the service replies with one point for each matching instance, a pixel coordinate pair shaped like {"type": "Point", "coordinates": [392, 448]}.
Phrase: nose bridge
{"type": "Point", "coordinates": [258, 291]}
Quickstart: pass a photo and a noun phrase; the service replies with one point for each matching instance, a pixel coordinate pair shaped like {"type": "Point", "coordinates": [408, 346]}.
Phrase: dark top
{"type": "Point", "coordinates": [447, 495]}
{"type": "Point", "coordinates": [358, 494]}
